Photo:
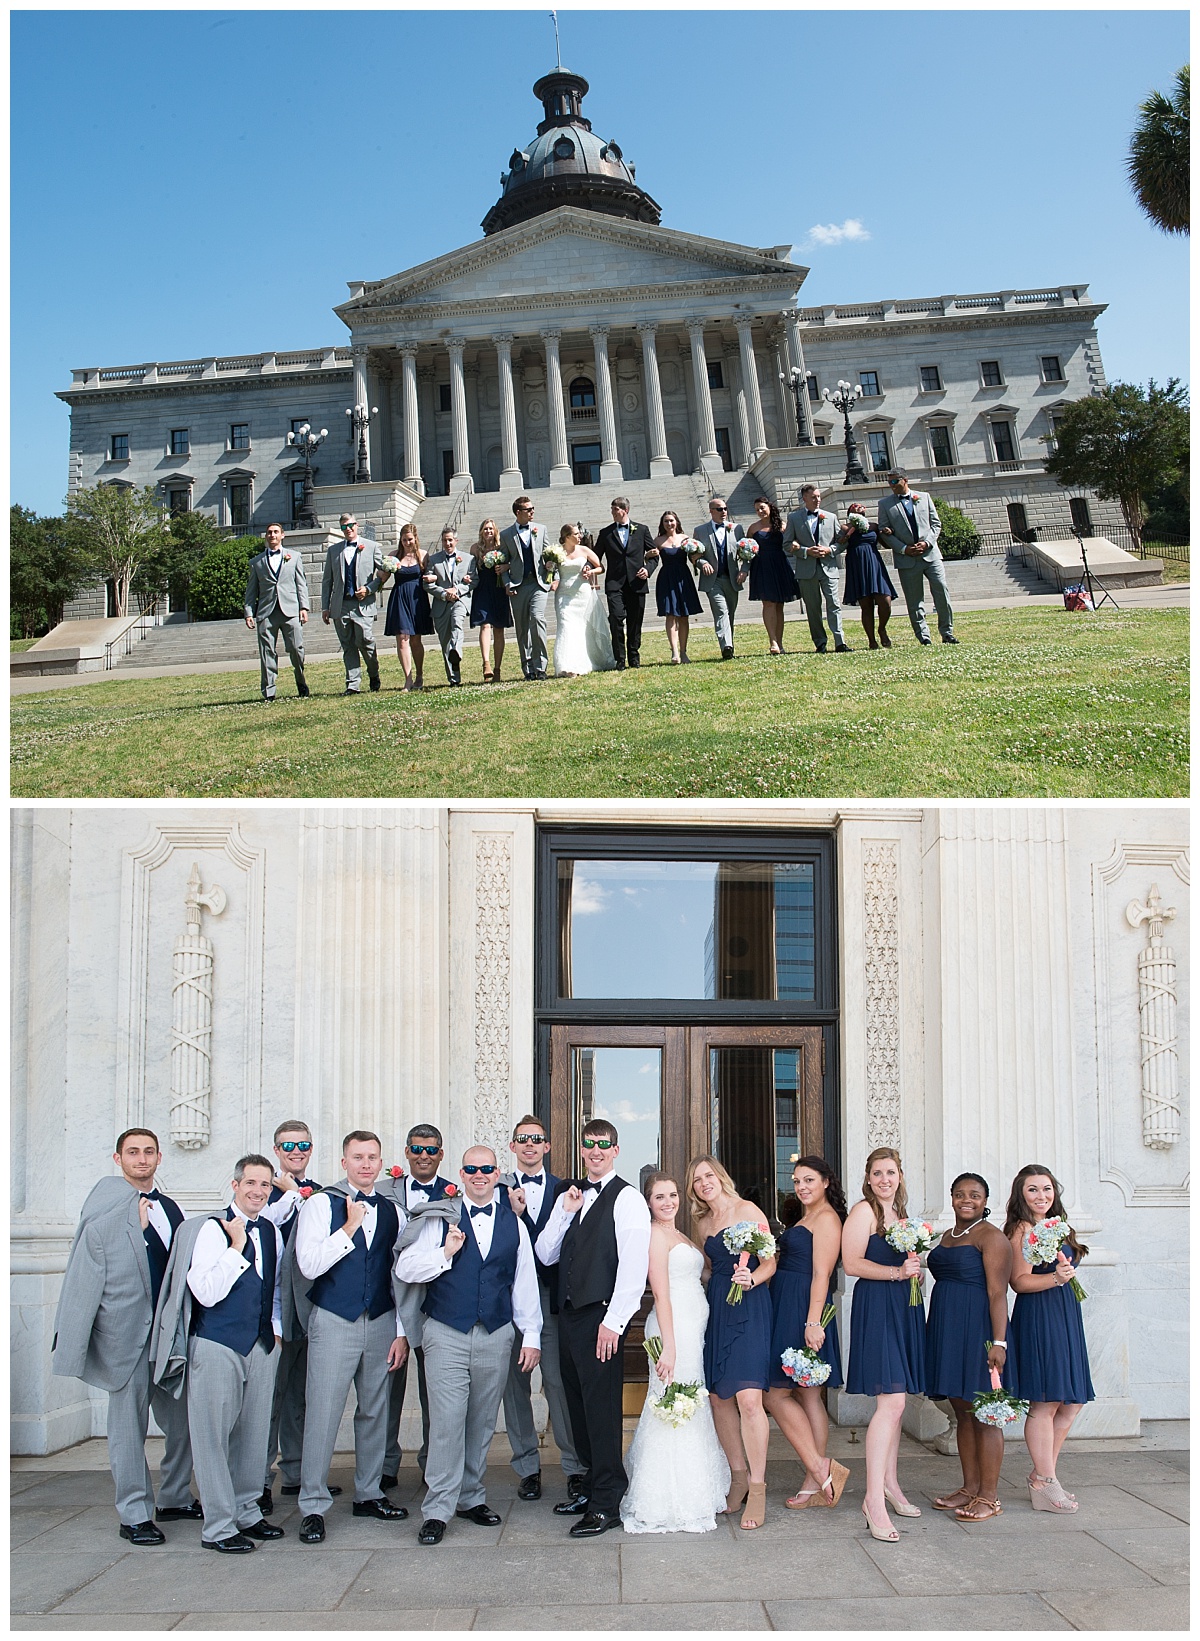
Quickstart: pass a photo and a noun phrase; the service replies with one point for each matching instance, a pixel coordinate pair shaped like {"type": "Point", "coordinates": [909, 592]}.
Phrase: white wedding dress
{"type": "Point", "coordinates": [582, 642]}
{"type": "Point", "coordinates": [678, 1475]}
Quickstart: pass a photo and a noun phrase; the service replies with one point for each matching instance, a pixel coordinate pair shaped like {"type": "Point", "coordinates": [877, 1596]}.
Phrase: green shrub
{"type": "Point", "coordinates": [218, 587]}
{"type": "Point", "coordinates": [959, 537]}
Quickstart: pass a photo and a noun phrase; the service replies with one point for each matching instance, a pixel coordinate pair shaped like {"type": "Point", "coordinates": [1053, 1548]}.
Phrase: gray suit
{"type": "Point", "coordinates": [274, 605]}
{"type": "Point", "coordinates": [103, 1336]}
{"type": "Point", "coordinates": [722, 591]}
{"type": "Point", "coordinates": [354, 618]}
{"type": "Point", "coordinates": [816, 578]}
{"type": "Point", "coordinates": [527, 597]}
{"type": "Point", "coordinates": [916, 570]}
{"type": "Point", "coordinates": [450, 571]}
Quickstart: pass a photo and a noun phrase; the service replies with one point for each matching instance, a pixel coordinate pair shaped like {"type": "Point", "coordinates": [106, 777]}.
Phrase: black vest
{"type": "Point", "coordinates": [587, 1265]}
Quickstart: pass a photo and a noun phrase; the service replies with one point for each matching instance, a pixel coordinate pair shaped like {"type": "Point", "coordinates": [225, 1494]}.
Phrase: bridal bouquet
{"type": "Point", "coordinates": [997, 1406]}
{"type": "Point", "coordinates": [747, 550]}
{"type": "Point", "coordinates": [746, 1238]}
{"type": "Point", "coordinates": [805, 1368]}
{"type": "Point", "coordinates": [1041, 1243]}
{"type": "Point", "coordinates": [677, 1403]}
{"type": "Point", "coordinates": [552, 559]}
{"type": "Point", "coordinates": [911, 1236]}
{"type": "Point", "coordinates": [495, 558]}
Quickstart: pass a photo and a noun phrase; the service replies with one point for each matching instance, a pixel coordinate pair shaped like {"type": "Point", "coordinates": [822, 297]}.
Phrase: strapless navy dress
{"type": "Point", "coordinates": [489, 601]}
{"type": "Point", "coordinates": [408, 604]}
{"type": "Point", "coordinates": [674, 590]}
{"type": "Point", "coordinates": [959, 1326]}
{"type": "Point", "coordinates": [771, 575]}
{"type": "Point", "coordinates": [866, 574]}
{"type": "Point", "coordinates": [737, 1341]}
{"type": "Point", "coordinates": [887, 1334]}
{"type": "Point", "coordinates": [1047, 1338]}
{"type": "Point", "coordinates": [790, 1289]}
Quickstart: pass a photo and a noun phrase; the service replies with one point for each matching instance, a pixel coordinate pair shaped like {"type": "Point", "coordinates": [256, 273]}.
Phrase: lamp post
{"type": "Point", "coordinates": [360, 418]}
{"type": "Point", "coordinates": [795, 379]}
{"type": "Point", "coordinates": [842, 397]}
{"type": "Point", "coordinates": [306, 440]}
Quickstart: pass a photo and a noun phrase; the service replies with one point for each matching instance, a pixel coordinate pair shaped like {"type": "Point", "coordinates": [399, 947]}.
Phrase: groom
{"type": "Point", "coordinates": [599, 1237]}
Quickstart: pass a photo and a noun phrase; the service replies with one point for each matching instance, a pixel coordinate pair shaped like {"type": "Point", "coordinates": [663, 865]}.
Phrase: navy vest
{"type": "Point", "coordinates": [244, 1315]}
{"type": "Point", "coordinates": [363, 1280]}
{"type": "Point", "coordinates": [156, 1254]}
{"type": "Point", "coordinates": [474, 1289]}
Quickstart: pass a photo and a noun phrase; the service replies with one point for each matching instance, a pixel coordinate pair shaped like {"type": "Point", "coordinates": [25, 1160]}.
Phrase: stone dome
{"type": "Point", "coordinates": [567, 164]}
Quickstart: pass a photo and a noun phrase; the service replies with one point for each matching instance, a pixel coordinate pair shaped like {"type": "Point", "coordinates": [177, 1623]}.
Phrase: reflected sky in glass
{"type": "Point", "coordinates": [638, 928]}
{"type": "Point", "coordinates": [626, 1089]}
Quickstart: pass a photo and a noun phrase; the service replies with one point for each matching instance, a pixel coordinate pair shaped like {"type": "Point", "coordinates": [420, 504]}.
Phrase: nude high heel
{"type": "Point", "coordinates": [899, 1506]}
{"type": "Point", "coordinates": [889, 1537]}
{"type": "Point", "coordinates": [1050, 1496]}
{"type": "Point", "coordinates": [739, 1486]}
{"type": "Point", "coordinates": [755, 1512]}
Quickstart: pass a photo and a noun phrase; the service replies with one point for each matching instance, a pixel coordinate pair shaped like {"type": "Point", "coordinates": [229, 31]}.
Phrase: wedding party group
{"type": "Point", "coordinates": [506, 579]}
{"type": "Point", "coordinates": [244, 1330]}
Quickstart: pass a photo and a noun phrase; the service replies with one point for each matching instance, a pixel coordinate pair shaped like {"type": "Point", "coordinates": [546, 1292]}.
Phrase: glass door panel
{"type": "Point", "coordinates": [623, 1085]}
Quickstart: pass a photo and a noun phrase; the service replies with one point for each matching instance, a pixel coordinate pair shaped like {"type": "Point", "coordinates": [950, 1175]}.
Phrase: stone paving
{"type": "Point", "coordinates": [1121, 1563]}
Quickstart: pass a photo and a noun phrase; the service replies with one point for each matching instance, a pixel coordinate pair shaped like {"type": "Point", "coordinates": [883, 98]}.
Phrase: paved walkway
{"type": "Point", "coordinates": [1121, 1563]}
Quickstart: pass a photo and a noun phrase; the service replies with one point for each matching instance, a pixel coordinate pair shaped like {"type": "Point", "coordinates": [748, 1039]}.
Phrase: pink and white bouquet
{"type": "Point", "coordinates": [495, 557]}
{"type": "Point", "coordinates": [747, 550]}
{"type": "Point", "coordinates": [805, 1368]}
{"type": "Point", "coordinates": [691, 546]}
{"type": "Point", "coordinates": [859, 521]}
{"type": "Point", "coordinates": [997, 1406]}
{"type": "Point", "coordinates": [1041, 1243]}
{"type": "Point", "coordinates": [911, 1236]}
{"type": "Point", "coordinates": [746, 1238]}
{"type": "Point", "coordinates": [390, 563]}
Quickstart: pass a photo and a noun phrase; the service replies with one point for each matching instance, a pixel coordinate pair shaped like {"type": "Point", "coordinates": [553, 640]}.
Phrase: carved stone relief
{"type": "Point", "coordinates": [191, 1020]}
{"type": "Point", "coordinates": [1157, 1003]}
{"type": "Point", "coordinates": [881, 931]}
{"type": "Point", "coordinates": [493, 979]}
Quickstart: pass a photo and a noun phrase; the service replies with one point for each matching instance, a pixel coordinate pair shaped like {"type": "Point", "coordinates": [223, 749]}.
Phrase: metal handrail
{"type": "Point", "coordinates": [458, 511]}
{"type": "Point", "coordinates": [134, 633]}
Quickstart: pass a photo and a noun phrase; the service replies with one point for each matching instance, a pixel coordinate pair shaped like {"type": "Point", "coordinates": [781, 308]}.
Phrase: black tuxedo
{"type": "Point", "coordinates": [624, 591]}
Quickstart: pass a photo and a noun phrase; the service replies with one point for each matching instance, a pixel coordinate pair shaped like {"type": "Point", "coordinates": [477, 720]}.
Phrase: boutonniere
{"type": "Point", "coordinates": [450, 1191]}
{"type": "Point", "coordinates": [306, 1191]}
{"type": "Point", "coordinates": [396, 1171]}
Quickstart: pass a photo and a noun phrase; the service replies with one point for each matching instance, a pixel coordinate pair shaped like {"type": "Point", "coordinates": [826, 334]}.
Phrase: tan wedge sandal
{"type": "Point", "coordinates": [755, 1512]}
{"type": "Point", "coordinates": [739, 1486]}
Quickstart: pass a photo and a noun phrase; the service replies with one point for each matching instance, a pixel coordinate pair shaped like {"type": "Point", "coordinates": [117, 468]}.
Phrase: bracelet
{"type": "Point", "coordinates": [999, 1344]}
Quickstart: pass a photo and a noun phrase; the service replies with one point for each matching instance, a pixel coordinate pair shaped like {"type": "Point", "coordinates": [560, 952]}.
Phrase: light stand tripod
{"type": "Point", "coordinates": [1092, 581]}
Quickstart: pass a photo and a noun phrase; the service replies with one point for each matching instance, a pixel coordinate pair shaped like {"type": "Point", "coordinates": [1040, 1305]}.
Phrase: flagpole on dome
{"type": "Point", "coordinates": [557, 46]}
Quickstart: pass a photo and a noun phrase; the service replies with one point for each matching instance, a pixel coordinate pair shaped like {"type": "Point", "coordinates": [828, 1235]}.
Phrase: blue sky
{"type": "Point", "coordinates": [207, 182]}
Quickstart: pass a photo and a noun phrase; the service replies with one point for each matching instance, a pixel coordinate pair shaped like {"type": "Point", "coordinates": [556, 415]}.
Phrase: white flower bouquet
{"type": "Point", "coordinates": [675, 1404]}
{"type": "Point", "coordinates": [997, 1406]}
{"type": "Point", "coordinates": [747, 550]}
{"type": "Point", "coordinates": [746, 1238]}
{"type": "Point", "coordinates": [911, 1236]}
{"type": "Point", "coordinates": [390, 563]}
{"type": "Point", "coordinates": [859, 521]}
{"type": "Point", "coordinates": [552, 559]}
{"type": "Point", "coordinates": [495, 557]}
{"type": "Point", "coordinates": [1041, 1243]}
{"type": "Point", "coordinates": [805, 1368]}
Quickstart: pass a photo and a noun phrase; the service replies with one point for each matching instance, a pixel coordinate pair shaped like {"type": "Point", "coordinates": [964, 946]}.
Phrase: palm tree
{"type": "Point", "coordinates": [1158, 157]}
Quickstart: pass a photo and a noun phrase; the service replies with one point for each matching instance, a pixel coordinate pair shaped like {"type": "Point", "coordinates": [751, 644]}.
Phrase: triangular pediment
{"type": "Point", "coordinates": [566, 251]}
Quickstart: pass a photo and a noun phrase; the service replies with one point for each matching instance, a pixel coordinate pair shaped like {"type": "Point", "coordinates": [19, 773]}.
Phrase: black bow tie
{"type": "Point", "coordinates": [252, 1225]}
{"type": "Point", "coordinates": [592, 1185]}
{"type": "Point", "coordinates": [424, 1189]}
{"type": "Point", "coordinates": [150, 1196]}
{"type": "Point", "coordinates": [361, 1196]}
{"type": "Point", "coordinates": [532, 1179]}
{"type": "Point", "coordinates": [486, 1210]}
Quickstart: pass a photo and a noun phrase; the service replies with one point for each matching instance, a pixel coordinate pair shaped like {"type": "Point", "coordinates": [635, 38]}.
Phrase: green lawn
{"type": "Point", "coordinates": [1032, 703]}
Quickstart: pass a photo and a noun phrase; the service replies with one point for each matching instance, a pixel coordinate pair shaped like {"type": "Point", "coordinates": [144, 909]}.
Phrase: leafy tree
{"type": "Point", "coordinates": [169, 569]}
{"type": "Point", "coordinates": [117, 528]}
{"type": "Point", "coordinates": [959, 537]}
{"type": "Point", "coordinates": [1158, 156]}
{"type": "Point", "coordinates": [218, 588]}
{"type": "Point", "coordinates": [45, 570]}
{"type": "Point", "coordinates": [1126, 443]}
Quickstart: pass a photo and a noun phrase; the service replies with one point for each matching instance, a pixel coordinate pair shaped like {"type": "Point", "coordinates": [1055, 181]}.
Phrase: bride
{"type": "Point", "coordinates": [581, 642]}
{"type": "Point", "coordinates": [678, 1474]}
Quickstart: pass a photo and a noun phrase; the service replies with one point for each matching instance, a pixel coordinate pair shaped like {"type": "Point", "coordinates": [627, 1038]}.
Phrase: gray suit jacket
{"type": "Point", "coordinates": [264, 593]}
{"type": "Point", "coordinates": [705, 534]}
{"type": "Point", "coordinates": [514, 570]}
{"type": "Point", "coordinates": [410, 1296]}
{"type": "Point", "coordinates": [105, 1309]}
{"type": "Point", "coordinates": [457, 572]}
{"type": "Point", "coordinates": [929, 528]}
{"type": "Point", "coordinates": [798, 538]}
{"type": "Point", "coordinates": [368, 570]}
{"type": "Point", "coordinates": [173, 1318]}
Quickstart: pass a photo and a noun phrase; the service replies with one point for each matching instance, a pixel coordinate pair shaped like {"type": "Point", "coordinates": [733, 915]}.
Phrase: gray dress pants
{"type": "Point", "coordinates": [450, 624]}
{"type": "Point", "coordinates": [722, 594]}
{"type": "Point", "coordinates": [356, 635]}
{"type": "Point", "coordinates": [341, 1354]}
{"type": "Point", "coordinates": [128, 1421]}
{"type": "Point", "coordinates": [269, 631]}
{"type": "Point", "coordinates": [821, 590]}
{"type": "Point", "coordinates": [286, 1436]}
{"type": "Point", "coordinates": [518, 1404]}
{"type": "Point", "coordinates": [399, 1380]}
{"type": "Point", "coordinates": [229, 1415]}
{"type": "Point", "coordinates": [528, 605]}
{"type": "Point", "coordinates": [914, 572]}
{"type": "Point", "coordinates": [467, 1374]}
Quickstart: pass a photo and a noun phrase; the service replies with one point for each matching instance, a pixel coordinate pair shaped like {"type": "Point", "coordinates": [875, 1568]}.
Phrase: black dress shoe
{"type": "Point", "coordinates": [595, 1523]}
{"type": "Point", "coordinates": [265, 1502]}
{"type": "Point", "coordinates": [620, 666]}
{"type": "Point", "coordinates": [531, 1486]}
{"type": "Point", "coordinates": [572, 1507]}
{"type": "Point", "coordinates": [263, 1530]}
{"type": "Point", "coordinates": [949, 638]}
{"type": "Point", "coordinates": [842, 649]}
{"type": "Point", "coordinates": [727, 655]}
{"type": "Point", "coordinates": [381, 1509]}
{"type": "Point", "coordinates": [926, 640]}
{"type": "Point", "coordinates": [181, 1512]}
{"type": "Point", "coordinates": [481, 1514]}
{"type": "Point", "coordinates": [236, 1545]}
{"type": "Point", "coordinates": [312, 1530]}
{"type": "Point", "coordinates": [577, 1486]}
{"type": "Point", "coordinates": [350, 692]}
{"type": "Point", "coordinates": [432, 1532]}
{"type": "Point", "coordinates": [635, 660]}
{"type": "Point", "coordinates": [303, 691]}
{"type": "Point", "coordinates": [376, 685]}
{"type": "Point", "coordinates": [143, 1532]}
{"type": "Point", "coordinates": [389, 1481]}
{"type": "Point", "coordinates": [820, 649]}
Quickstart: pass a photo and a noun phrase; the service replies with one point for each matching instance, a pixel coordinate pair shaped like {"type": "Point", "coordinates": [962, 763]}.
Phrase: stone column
{"type": "Point", "coordinates": [656, 427]}
{"type": "Point", "coordinates": [510, 472]}
{"type": "Point", "coordinates": [791, 319]}
{"type": "Point", "coordinates": [362, 398]}
{"type": "Point", "coordinates": [461, 479]}
{"type": "Point", "coordinates": [710, 462]}
{"type": "Point", "coordinates": [412, 423]}
{"type": "Point", "coordinates": [560, 456]}
{"type": "Point", "coordinates": [610, 464]}
{"type": "Point", "coordinates": [758, 437]}
{"type": "Point", "coordinates": [733, 363]}
{"type": "Point", "coordinates": [783, 394]}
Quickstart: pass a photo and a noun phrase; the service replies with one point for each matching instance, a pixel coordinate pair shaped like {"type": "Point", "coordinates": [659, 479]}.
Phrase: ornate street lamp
{"type": "Point", "coordinates": [795, 379]}
{"type": "Point", "coordinates": [361, 419]}
{"type": "Point", "coordinates": [842, 397]}
{"type": "Point", "coordinates": [306, 440]}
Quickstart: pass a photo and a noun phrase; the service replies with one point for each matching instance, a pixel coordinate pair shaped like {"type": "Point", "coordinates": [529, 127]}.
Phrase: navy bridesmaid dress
{"type": "Point", "coordinates": [1047, 1338]}
{"type": "Point", "coordinates": [791, 1287]}
{"type": "Point", "coordinates": [771, 570]}
{"type": "Point", "coordinates": [489, 601]}
{"type": "Point", "coordinates": [408, 605]}
{"type": "Point", "coordinates": [674, 590]}
{"type": "Point", "coordinates": [887, 1334]}
{"type": "Point", "coordinates": [959, 1327]}
{"type": "Point", "coordinates": [737, 1341]}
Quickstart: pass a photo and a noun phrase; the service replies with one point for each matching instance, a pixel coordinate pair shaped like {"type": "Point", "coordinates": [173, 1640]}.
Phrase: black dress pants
{"type": "Point", "coordinates": [593, 1392]}
{"type": "Point", "coordinates": [626, 607]}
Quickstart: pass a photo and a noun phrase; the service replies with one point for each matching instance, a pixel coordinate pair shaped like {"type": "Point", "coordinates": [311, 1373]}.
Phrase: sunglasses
{"type": "Point", "coordinates": [295, 1145]}
{"type": "Point", "coordinates": [529, 1139]}
{"type": "Point", "coordinates": [425, 1150]}
{"type": "Point", "coordinates": [479, 1167]}
{"type": "Point", "coordinates": [603, 1144]}
{"type": "Point", "coordinates": [351, 526]}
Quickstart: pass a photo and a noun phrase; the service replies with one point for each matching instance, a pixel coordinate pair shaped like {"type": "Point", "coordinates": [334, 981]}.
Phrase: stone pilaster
{"type": "Point", "coordinates": [412, 425]}
{"type": "Point", "coordinates": [709, 460]}
{"type": "Point", "coordinates": [753, 399]}
{"type": "Point", "coordinates": [610, 464]}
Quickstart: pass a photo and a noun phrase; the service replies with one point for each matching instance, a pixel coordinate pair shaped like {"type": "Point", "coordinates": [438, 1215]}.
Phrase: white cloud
{"type": "Point", "coordinates": [587, 896]}
{"type": "Point", "coordinates": [623, 1111]}
{"type": "Point", "coordinates": [832, 233]}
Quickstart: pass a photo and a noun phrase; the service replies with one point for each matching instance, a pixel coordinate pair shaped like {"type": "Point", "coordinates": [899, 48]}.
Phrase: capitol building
{"type": "Point", "coordinates": [581, 343]}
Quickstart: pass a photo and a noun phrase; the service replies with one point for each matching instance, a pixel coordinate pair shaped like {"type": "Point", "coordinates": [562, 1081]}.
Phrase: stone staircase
{"type": "Point", "coordinates": [586, 504]}
{"type": "Point", "coordinates": [183, 644]}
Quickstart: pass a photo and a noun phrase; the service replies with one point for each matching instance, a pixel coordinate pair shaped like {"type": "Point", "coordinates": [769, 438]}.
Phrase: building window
{"type": "Point", "coordinates": [296, 489]}
{"type": "Point", "coordinates": [1051, 368]}
{"type": "Point", "coordinates": [990, 374]}
{"type": "Point", "coordinates": [179, 441]}
{"type": "Point", "coordinates": [869, 382]}
{"type": "Point", "coordinates": [877, 445]}
{"type": "Point", "coordinates": [296, 423]}
{"type": "Point", "coordinates": [118, 447]}
{"type": "Point", "coordinates": [582, 397]}
{"type": "Point", "coordinates": [239, 506]}
{"type": "Point", "coordinates": [931, 379]}
{"type": "Point", "coordinates": [1018, 522]}
{"type": "Point", "coordinates": [724, 448]}
{"type": "Point", "coordinates": [585, 463]}
{"type": "Point", "coordinates": [716, 377]}
{"type": "Point", "coordinates": [819, 438]}
{"type": "Point", "coordinates": [1081, 516]}
{"type": "Point", "coordinates": [814, 390]}
{"type": "Point", "coordinates": [239, 437]}
{"type": "Point", "coordinates": [179, 501]}
{"type": "Point", "coordinates": [1002, 439]}
{"type": "Point", "coordinates": [942, 446]}
{"type": "Point", "coordinates": [443, 396]}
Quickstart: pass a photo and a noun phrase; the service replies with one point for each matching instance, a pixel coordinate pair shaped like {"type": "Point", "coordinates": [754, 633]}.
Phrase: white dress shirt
{"type": "Point", "coordinates": [415, 1191]}
{"type": "Point", "coordinates": [159, 1220]}
{"type": "Point", "coordinates": [534, 1192]}
{"type": "Point", "coordinates": [319, 1248]}
{"type": "Point", "coordinates": [289, 1203]}
{"type": "Point", "coordinates": [631, 1221]}
{"type": "Point", "coordinates": [425, 1260]}
{"type": "Point", "coordinates": [217, 1264]}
